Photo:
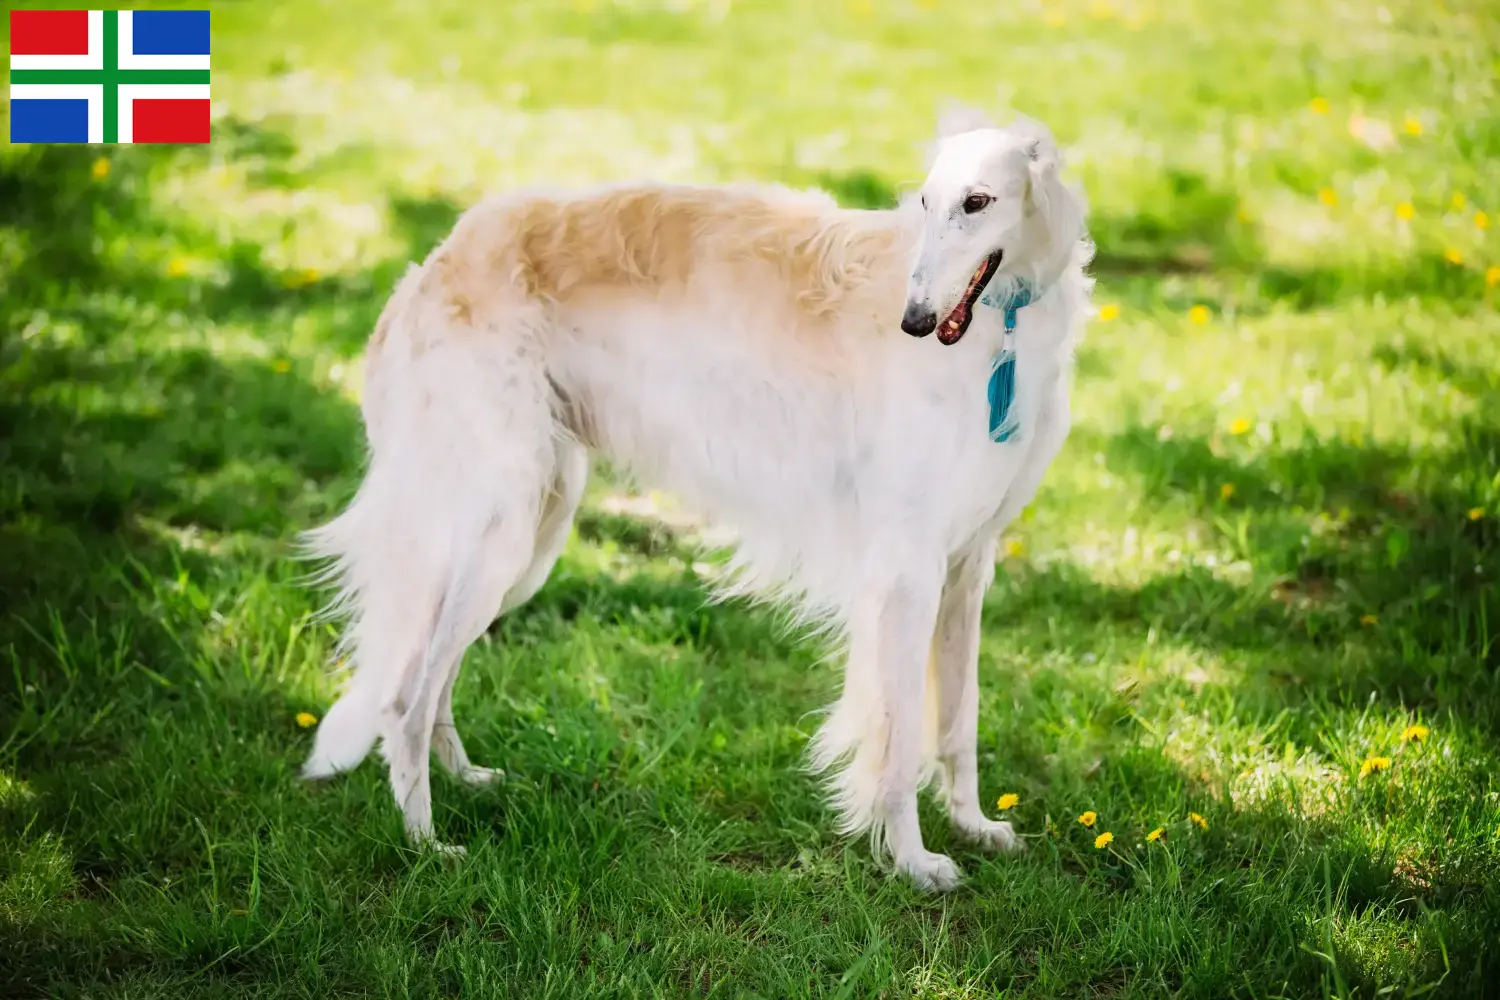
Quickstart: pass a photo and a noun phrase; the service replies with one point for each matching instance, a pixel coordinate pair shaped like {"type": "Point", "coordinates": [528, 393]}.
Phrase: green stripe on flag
{"type": "Point", "coordinates": [111, 76]}
{"type": "Point", "coordinates": [111, 67]}
{"type": "Point", "coordinates": [119, 75]}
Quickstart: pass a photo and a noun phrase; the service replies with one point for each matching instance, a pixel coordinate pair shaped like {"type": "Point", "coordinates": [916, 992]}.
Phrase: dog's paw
{"type": "Point", "coordinates": [450, 853]}
{"type": "Point", "coordinates": [480, 776]}
{"type": "Point", "coordinates": [930, 872]}
{"type": "Point", "coordinates": [428, 844]}
{"type": "Point", "coordinates": [994, 835]}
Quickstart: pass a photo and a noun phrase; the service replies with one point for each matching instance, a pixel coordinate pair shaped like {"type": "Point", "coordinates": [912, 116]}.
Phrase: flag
{"type": "Point", "coordinates": [109, 76]}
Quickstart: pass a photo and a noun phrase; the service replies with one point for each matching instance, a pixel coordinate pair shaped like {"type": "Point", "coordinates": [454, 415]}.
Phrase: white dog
{"type": "Point", "coordinates": [742, 348]}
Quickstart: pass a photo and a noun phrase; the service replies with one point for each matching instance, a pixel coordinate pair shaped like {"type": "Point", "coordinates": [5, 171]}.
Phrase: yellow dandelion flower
{"type": "Point", "coordinates": [1008, 801]}
{"type": "Point", "coordinates": [1481, 220]}
{"type": "Point", "coordinates": [1088, 818]}
{"type": "Point", "coordinates": [1413, 125]}
{"type": "Point", "coordinates": [1459, 201]}
{"type": "Point", "coordinates": [1370, 620]}
{"type": "Point", "coordinates": [1013, 547]}
{"type": "Point", "coordinates": [281, 367]}
{"type": "Point", "coordinates": [1492, 276]}
{"type": "Point", "coordinates": [1199, 315]}
{"type": "Point", "coordinates": [1475, 513]}
{"type": "Point", "coordinates": [1243, 214]}
{"type": "Point", "coordinates": [1103, 840]}
{"type": "Point", "coordinates": [1239, 426]}
{"type": "Point", "coordinates": [1156, 834]}
{"type": "Point", "coordinates": [1414, 734]}
{"type": "Point", "coordinates": [177, 267]}
{"type": "Point", "coordinates": [1453, 255]}
{"type": "Point", "coordinates": [1372, 764]}
{"type": "Point", "coordinates": [1328, 196]}
{"type": "Point", "coordinates": [1319, 105]}
{"type": "Point", "coordinates": [100, 169]}
{"type": "Point", "coordinates": [1406, 211]}
{"type": "Point", "coordinates": [300, 279]}
{"type": "Point", "coordinates": [1108, 313]}
{"type": "Point", "coordinates": [1198, 821]}
{"type": "Point", "coordinates": [306, 720]}
{"type": "Point", "coordinates": [1226, 491]}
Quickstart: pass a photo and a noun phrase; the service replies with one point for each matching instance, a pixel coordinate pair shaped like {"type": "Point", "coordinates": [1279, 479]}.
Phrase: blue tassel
{"type": "Point", "coordinates": [1002, 394]}
{"type": "Point", "coordinates": [1003, 378]}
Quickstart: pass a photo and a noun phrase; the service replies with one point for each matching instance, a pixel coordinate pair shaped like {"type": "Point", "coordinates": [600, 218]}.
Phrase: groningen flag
{"type": "Point", "coordinates": [108, 76]}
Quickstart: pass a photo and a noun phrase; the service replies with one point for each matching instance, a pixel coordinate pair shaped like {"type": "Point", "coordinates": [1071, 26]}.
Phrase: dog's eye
{"type": "Point", "coordinates": [924, 203]}
{"type": "Point", "coordinates": [976, 203]}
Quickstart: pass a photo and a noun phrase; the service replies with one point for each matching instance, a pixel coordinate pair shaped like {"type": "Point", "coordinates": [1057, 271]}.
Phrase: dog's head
{"type": "Point", "coordinates": [993, 201]}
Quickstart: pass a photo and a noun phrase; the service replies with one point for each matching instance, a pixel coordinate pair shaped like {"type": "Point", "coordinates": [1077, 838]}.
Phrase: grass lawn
{"type": "Point", "coordinates": [1264, 564]}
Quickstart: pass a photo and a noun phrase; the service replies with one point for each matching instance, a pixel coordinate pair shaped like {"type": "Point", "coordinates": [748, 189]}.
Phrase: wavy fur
{"type": "Point", "coordinates": [738, 346]}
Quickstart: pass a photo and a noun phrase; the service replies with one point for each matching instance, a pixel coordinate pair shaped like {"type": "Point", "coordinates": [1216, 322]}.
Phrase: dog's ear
{"type": "Point", "coordinates": [1040, 147]}
{"type": "Point", "coordinates": [1055, 204]}
{"type": "Point", "coordinates": [955, 118]}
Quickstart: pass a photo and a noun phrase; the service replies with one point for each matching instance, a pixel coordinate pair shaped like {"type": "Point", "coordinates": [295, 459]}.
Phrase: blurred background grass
{"type": "Point", "coordinates": [1265, 558]}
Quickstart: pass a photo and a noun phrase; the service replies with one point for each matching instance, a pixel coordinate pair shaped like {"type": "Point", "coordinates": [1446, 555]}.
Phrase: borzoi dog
{"type": "Point", "coordinates": [760, 353]}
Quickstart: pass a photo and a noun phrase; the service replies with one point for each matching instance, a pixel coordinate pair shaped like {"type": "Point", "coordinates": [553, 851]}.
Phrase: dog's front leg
{"type": "Point", "coordinates": [956, 654]}
{"type": "Point", "coordinates": [904, 631]}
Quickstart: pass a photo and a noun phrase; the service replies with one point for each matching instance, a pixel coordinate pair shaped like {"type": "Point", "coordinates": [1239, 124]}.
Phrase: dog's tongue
{"type": "Point", "coordinates": [951, 329]}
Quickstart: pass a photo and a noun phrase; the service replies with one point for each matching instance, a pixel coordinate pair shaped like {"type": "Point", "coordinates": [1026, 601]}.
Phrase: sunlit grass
{"type": "Point", "coordinates": [1266, 555]}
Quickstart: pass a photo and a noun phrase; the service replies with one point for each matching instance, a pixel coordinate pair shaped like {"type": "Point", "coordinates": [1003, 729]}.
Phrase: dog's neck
{"type": "Point", "coordinates": [1008, 293]}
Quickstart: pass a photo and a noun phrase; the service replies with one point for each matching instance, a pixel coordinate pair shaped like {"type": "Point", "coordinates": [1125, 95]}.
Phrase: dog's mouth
{"type": "Point", "coordinates": [950, 330]}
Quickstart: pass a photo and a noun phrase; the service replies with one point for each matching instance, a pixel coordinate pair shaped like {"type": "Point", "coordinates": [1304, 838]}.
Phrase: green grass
{"type": "Point", "coordinates": [1191, 619]}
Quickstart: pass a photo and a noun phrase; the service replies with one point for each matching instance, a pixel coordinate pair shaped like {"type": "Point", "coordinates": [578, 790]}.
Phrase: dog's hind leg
{"type": "Point", "coordinates": [444, 526]}
{"type": "Point", "coordinates": [551, 537]}
{"type": "Point", "coordinates": [955, 651]}
{"type": "Point", "coordinates": [472, 597]}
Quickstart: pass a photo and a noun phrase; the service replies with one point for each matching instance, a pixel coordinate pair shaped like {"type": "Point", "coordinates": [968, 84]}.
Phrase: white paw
{"type": "Point", "coordinates": [479, 776]}
{"type": "Point", "coordinates": [319, 769]}
{"type": "Point", "coordinates": [993, 835]}
{"type": "Point", "coordinates": [930, 872]}
{"type": "Point", "coordinates": [448, 852]}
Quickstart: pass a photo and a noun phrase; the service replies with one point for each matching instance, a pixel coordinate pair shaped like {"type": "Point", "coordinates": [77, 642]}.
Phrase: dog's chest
{"type": "Point", "coordinates": [990, 481]}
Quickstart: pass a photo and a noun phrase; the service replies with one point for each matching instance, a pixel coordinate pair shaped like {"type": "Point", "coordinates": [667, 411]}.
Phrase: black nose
{"type": "Point", "coordinates": [917, 321]}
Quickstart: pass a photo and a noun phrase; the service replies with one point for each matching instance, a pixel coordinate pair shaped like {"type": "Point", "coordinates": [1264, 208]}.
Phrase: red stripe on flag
{"type": "Point", "coordinates": [49, 32]}
{"type": "Point", "coordinates": [169, 120]}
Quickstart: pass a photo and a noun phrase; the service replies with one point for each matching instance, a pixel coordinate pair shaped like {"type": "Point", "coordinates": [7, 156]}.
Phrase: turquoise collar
{"type": "Point", "coordinates": [1002, 391]}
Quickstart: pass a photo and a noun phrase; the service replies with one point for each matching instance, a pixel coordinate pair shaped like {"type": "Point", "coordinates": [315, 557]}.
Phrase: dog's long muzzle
{"type": "Point", "coordinates": [952, 329]}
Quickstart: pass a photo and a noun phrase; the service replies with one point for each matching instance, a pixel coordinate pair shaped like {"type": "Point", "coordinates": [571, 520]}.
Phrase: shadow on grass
{"type": "Point", "coordinates": [859, 189]}
{"type": "Point", "coordinates": [1365, 546]}
{"type": "Point", "coordinates": [127, 463]}
{"type": "Point", "coordinates": [423, 223]}
{"type": "Point", "coordinates": [124, 461]}
{"type": "Point", "coordinates": [1189, 227]}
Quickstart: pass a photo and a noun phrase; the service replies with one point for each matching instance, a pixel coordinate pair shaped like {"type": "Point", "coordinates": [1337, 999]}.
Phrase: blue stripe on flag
{"type": "Point", "coordinates": [169, 32]}
{"type": "Point", "coordinates": [49, 120]}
